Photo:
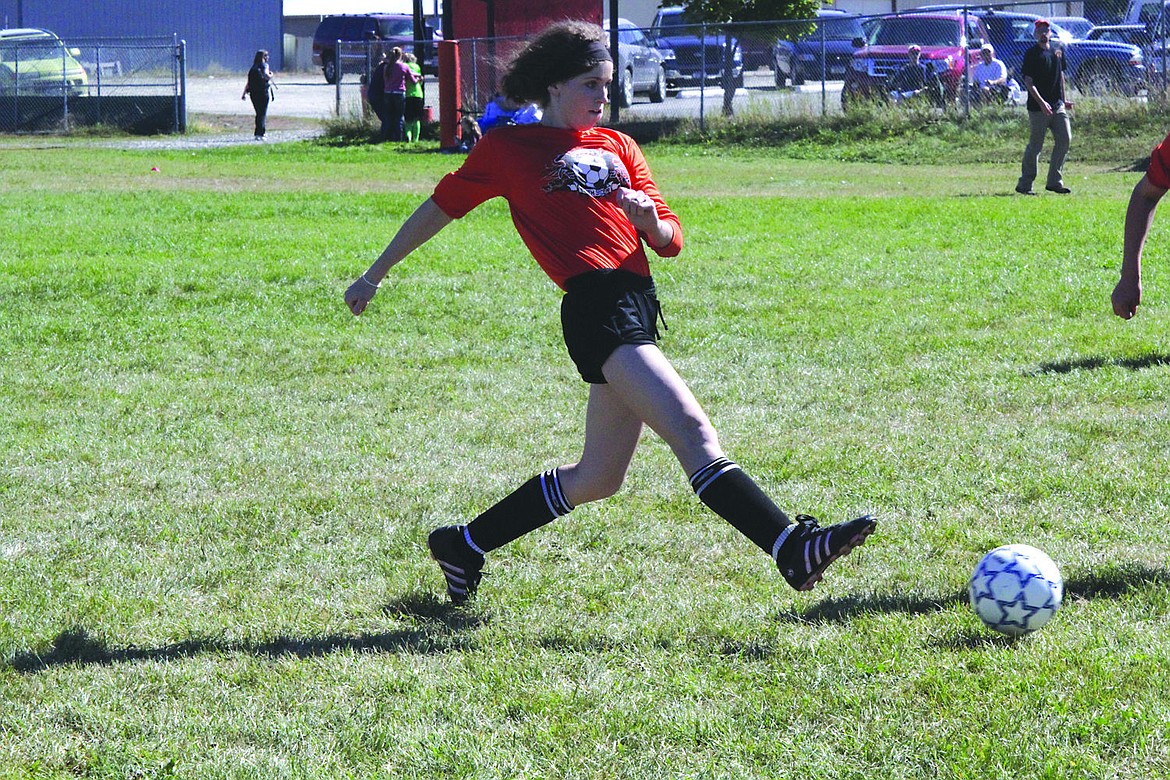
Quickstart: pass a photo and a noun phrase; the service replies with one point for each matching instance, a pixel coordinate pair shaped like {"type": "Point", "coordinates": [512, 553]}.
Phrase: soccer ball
{"type": "Point", "coordinates": [1016, 589]}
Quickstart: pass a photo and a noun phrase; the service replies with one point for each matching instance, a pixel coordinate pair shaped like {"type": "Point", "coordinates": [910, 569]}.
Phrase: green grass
{"type": "Point", "coordinates": [215, 483]}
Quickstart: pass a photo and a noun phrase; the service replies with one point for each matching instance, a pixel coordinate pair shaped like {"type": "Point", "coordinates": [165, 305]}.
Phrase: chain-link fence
{"type": "Point", "coordinates": [686, 72]}
{"type": "Point", "coordinates": [49, 84]}
{"type": "Point", "coordinates": [664, 74]}
{"type": "Point", "coordinates": [817, 67]}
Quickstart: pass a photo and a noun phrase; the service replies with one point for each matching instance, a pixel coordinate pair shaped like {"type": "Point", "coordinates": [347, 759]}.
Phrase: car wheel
{"type": "Point", "coordinates": [329, 67]}
{"type": "Point", "coordinates": [658, 92]}
{"type": "Point", "coordinates": [1098, 78]}
{"type": "Point", "coordinates": [626, 89]}
{"type": "Point", "coordinates": [781, 77]}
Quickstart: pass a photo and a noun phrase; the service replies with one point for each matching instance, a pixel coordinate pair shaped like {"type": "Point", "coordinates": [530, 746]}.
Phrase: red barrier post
{"type": "Point", "coordinates": [450, 100]}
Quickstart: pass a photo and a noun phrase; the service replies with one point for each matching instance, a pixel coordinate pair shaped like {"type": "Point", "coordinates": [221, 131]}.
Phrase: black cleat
{"type": "Point", "coordinates": [804, 549]}
{"type": "Point", "coordinates": [462, 567]}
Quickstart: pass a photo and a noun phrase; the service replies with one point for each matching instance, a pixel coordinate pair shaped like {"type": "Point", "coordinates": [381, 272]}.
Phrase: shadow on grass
{"type": "Point", "coordinates": [1093, 363]}
{"type": "Point", "coordinates": [1110, 582]}
{"type": "Point", "coordinates": [845, 609]}
{"type": "Point", "coordinates": [437, 627]}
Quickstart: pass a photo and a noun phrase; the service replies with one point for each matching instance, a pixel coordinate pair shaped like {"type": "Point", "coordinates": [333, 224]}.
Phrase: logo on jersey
{"type": "Point", "coordinates": [593, 172]}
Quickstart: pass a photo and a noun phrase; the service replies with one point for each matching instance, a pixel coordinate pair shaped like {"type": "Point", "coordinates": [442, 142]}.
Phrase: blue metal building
{"type": "Point", "coordinates": [220, 34]}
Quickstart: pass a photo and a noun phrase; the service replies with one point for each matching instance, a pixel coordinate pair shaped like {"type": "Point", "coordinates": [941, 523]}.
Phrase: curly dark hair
{"type": "Point", "coordinates": [561, 51]}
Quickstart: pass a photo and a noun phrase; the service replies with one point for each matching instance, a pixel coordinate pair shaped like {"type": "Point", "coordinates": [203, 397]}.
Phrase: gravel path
{"type": "Point", "coordinates": [207, 140]}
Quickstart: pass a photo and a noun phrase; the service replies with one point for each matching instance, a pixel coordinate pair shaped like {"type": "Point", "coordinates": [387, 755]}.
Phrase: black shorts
{"type": "Point", "coordinates": [601, 311]}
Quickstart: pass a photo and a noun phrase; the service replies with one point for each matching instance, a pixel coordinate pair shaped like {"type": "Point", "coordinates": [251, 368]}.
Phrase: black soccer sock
{"type": "Point", "coordinates": [537, 502]}
{"type": "Point", "coordinates": [730, 493]}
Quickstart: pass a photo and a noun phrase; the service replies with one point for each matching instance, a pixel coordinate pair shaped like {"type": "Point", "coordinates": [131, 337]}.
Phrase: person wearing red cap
{"type": "Point", "coordinates": [1043, 73]}
{"type": "Point", "coordinates": [1139, 217]}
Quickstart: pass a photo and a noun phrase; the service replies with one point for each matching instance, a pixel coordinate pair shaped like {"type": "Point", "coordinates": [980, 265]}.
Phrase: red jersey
{"type": "Point", "coordinates": [560, 187]}
{"type": "Point", "coordinates": [1159, 171]}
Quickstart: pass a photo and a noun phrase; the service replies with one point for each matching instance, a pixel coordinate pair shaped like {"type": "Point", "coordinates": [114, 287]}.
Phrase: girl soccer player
{"type": "Point", "coordinates": [585, 205]}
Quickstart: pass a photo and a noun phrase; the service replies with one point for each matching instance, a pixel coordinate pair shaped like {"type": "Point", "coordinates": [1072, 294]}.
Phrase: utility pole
{"type": "Point", "coordinates": [614, 103]}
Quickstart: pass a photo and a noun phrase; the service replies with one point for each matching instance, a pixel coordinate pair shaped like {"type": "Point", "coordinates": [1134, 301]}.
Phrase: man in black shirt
{"type": "Point", "coordinates": [915, 79]}
{"type": "Point", "coordinates": [1043, 73]}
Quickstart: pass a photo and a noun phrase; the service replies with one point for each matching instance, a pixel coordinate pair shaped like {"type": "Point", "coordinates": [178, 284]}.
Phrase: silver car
{"type": "Point", "coordinates": [639, 69]}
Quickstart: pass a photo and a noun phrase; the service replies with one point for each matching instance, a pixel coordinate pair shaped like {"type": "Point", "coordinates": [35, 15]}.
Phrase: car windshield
{"type": "Point", "coordinates": [12, 51]}
{"type": "Point", "coordinates": [838, 29]}
{"type": "Point", "coordinates": [902, 31]}
{"type": "Point", "coordinates": [1136, 35]}
{"type": "Point", "coordinates": [1021, 31]}
{"type": "Point", "coordinates": [1061, 35]}
{"type": "Point", "coordinates": [669, 19]}
{"type": "Point", "coordinates": [1078, 28]}
{"type": "Point", "coordinates": [400, 28]}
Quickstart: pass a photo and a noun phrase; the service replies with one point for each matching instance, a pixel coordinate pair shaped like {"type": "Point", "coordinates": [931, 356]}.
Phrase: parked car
{"type": "Point", "coordinates": [698, 59]}
{"type": "Point", "coordinates": [36, 62]}
{"type": "Point", "coordinates": [1151, 13]}
{"type": "Point", "coordinates": [784, 63]}
{"type": "Point", "coordinates": [362, 36]}
{"type": "Point", "coordinates": [949, 43]}
{"type": "Point", "coordinates": [1133, 34]}
{"type": "Point", "coordinates": [1096, 67]}
{"type": "Point", "coordinates": [1154, 53]}
{"type": "Point", "coordinates": [640, 66]}
{"type": "Point", "coordinates": [755, 43]}
{"type": "Point", "coordinates": [825, 53]}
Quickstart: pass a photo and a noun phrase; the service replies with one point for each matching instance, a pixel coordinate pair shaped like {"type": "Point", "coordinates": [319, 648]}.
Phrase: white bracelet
{"type": "Point", "coordinates": [371, 284]}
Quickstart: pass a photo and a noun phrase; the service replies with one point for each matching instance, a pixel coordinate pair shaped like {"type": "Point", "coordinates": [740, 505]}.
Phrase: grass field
{"type": "Point", "coordinates": [216, 484]}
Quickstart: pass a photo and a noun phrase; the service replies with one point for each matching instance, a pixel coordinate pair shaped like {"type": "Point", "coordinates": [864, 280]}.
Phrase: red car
{"type": "Point", "coordinates": [947, 45]}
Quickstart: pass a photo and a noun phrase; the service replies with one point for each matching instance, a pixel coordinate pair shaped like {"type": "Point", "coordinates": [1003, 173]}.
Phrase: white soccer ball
{"type": "Point", "coordinates": [1016, 589]}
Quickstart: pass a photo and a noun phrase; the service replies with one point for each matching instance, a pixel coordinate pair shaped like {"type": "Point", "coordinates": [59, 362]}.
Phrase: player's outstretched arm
{"type": "Point", "coordinates": [1139, 217]}
{"type": "Point", "coordinates": [427, 220]}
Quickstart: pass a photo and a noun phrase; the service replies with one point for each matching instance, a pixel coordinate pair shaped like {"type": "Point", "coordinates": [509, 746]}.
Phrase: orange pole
{"type": "Point", "coordinates": [449, 98]}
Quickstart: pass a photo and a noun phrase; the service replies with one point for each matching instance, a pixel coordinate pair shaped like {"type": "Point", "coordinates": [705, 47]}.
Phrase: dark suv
{"type": "Point", "coordinates": [363, 37]}
{"type": "Point", "coordinates": [823, 53]}
{"type": "Point", "coordinates": [1153, 51]}
{"type": "Point", "coordinates": [698, 59]}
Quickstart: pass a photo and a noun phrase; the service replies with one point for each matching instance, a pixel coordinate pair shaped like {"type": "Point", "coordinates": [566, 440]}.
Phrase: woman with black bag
{"type": "Point", "coordinates": [260, 87]}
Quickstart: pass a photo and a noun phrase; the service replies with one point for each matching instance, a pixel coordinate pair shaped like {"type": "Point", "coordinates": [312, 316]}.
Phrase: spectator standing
{"type": "Point", "coordinates": [376, 95]}
{"type": "Point", "coordinates": [397, 77]}
{"type": "Point", "coordinates": [415, 99]}
{"type": "Point", "coordinates": [259, 86]}
{"type": "Point", "coordinates": [1043, 73]}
